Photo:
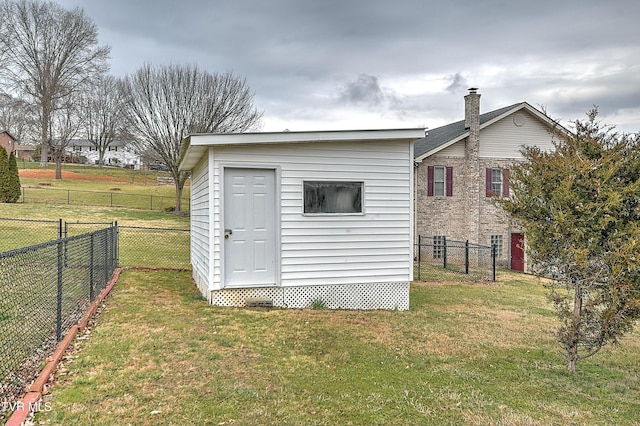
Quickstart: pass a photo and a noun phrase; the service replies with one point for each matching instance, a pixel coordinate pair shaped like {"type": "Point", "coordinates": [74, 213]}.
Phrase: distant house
{"type": "Point", "coordinates": [462, 165]}
{"type": "Point", "coordinates": [295, 218]}
{"type": "Point", "coordinates": [119, 153]}
{"type": "Point", "coordinates": [7, 141]}
{"type": "Point", "coordinates": [22, 152]}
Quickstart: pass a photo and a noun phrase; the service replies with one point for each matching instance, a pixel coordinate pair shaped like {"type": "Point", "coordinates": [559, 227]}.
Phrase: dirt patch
{"type": "Point", "coordinates": [51, 174]}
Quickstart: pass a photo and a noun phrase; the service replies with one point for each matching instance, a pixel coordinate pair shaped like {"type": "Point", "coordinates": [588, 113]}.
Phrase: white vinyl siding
{"type": "Point", "coordinates": [455, 150]}
{"type": "Point", "coordinates": [326, 249]}
{"type": "Point", "coordinates": [504, 139]}
{"type": "Point", "coordinates": [200, 222]}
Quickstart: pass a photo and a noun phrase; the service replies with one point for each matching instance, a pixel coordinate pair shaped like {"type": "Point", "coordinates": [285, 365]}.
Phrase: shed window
{"type": "Point", "coordinates": [333, 197]}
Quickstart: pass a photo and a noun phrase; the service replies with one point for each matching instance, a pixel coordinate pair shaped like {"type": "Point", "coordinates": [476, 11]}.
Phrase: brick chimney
{"type": "Point", "coordinates": [472, 109]}
{"type": "Point", "coordinates": [472, 160]}
{"type": "Point", "coordinates": [472, 122]}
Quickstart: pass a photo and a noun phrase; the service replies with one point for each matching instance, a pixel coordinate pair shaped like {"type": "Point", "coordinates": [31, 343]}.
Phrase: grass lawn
{"type": "Point", "coordinates": [90, 185]}
{"type": "Point", "coordinates": [463, 354]}
{"type": "Point", "coordinates": [138, 247]}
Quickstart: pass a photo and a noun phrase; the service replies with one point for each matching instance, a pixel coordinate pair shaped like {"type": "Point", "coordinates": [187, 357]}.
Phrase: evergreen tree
{"type": "Point", "coordinates": [4, 175]}
{"type": "Point", "coordinates": [13, 187]}
{"type": "Point", "coordinates": [580, 207]}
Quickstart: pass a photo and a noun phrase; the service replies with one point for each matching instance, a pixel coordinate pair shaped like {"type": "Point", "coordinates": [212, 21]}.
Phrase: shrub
{"type": "Point", "coordinates": [14, 189]}
{"type": "Point", "coordinates": [9, 178]}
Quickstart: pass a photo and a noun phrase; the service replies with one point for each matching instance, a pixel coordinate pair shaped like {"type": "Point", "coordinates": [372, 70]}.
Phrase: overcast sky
{"type": "Point", "coordinates": [370, 64]}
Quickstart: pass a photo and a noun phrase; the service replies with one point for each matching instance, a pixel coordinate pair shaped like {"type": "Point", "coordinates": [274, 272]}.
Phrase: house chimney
{"type": "Point", "coordinates": [472, 109]}
{"type": "Point", "coordinates": [473, 175]}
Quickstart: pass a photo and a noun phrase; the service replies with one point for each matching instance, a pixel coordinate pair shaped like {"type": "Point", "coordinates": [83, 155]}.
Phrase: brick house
{"type": "Point", "coordinates": [7, 141]}
{"type": "Point", "coordinates": [459, 168]}
{"type": "Point", "coordinates": [22, 152]}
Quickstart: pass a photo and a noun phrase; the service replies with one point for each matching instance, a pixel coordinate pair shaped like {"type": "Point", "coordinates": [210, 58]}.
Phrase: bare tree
{"type": "Point", "coordinates": [103, 114]}
{"type": "Point", "coordinates": [50, 53]}
{"type": "Point", "coordinates": [64, 125]}
{"type": "Point", "coordinates": [167, 103]}
{"type": "Point", "coordinates": [17, 117]}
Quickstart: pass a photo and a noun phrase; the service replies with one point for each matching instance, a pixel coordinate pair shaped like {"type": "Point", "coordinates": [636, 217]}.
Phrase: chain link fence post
{"type": "Point", "coordinates": [493, 260]}
{"type": "Point", "coordinates": [117, 244]}
{"type": "Point", "coordinates": [419, 255]}
{"type": "Point", "coordinates": [59, 293]}
{"type": "Point", "coordinates": [444, 252]}
{"type": "Point", "coordinates": [466, 257]}
{"type": "Point", "coordinates": [91, 251]}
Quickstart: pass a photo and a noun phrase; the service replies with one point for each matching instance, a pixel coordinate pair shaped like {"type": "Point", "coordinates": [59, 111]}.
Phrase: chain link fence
{"type": "Point", "coordinates": [18, 233]}
{"type": "Point", "coordinates": [154, 247]}
{"type": "Point", "coordinates": [440, 259]}
{"type": "Point", "coordinates": [139, 246]}
{"type": "Point", "coordinates": [38, 194]}
{"type": "Point", "coordinates": [47, 286]}
{"type": "Point", "coordinates": [45, 289]}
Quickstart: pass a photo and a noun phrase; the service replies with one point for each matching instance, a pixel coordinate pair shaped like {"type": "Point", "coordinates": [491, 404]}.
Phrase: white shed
{"type": "Point", "coordinates": [296, 218]}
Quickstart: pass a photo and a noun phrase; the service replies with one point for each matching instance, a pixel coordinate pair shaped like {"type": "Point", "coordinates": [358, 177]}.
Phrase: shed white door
{"type": "Point", "coordinates": [250, 227]}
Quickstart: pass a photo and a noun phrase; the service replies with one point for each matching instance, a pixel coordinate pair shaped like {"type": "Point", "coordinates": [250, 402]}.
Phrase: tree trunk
{"type": "Point", "coordinates": [44, 148]}
{"type": "Point", "coordinates": [101, 152]}
{"type": "Point", "coordinates": [180, 181]}
{"type": "Point", "coordinates": [179, 196]}
{"type": "Point", "coordinates": [574, 332]}
{"type": "Point", "coordinates": [58, 168]}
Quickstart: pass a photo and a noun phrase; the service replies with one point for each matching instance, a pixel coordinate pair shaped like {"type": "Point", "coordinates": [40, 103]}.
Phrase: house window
{"type": "Point", "coordinates": [439, 243]}
{"type": "Point", "coordinates": [439, 181]}
{"type": "Point", "coordinates": [497, 182]}
{"type": "Point", "coordinates": [77, 148]}
{"type": "Point", "coordinates": [496, 240]}
{"type": "Point", "coordinates": [333, 197]}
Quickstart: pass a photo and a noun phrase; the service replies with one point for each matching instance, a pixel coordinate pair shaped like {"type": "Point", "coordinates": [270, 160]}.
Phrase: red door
{"type": "Point", "coordinates": [517, 252]}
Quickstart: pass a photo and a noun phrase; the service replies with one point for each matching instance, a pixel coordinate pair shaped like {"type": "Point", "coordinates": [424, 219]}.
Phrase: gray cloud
{"type": "Point", "coordinates": [419, 55]}
{"type": "Point", "coordinates": [457, 83]}
{"type": "Point", "coordinates": [363, 90]}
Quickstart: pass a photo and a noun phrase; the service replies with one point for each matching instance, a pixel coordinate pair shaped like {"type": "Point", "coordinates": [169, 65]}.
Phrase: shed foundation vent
{"type": "Point", "coordinates": [259, 302]}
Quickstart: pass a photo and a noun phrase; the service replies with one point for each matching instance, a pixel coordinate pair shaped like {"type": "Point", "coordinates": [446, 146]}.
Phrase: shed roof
{"type": "Point", "coordinates": [194, 146]}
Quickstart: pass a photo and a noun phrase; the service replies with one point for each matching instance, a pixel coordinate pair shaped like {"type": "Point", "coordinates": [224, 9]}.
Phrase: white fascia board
{"type": "Point", "coordinates": [305, 137]}
{"type": "Point", "coordinates": [195, 145]}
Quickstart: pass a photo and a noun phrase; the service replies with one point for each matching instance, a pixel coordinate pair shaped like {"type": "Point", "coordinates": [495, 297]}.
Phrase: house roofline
{"type": "Point", "coordinates": [442, 146]}
{"type": "Point", "coordinates": [9, 134]}
{"type": "Point", "coordinates": [194, 146]}
{"type": "Point", "coordinates": [522, 105]}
